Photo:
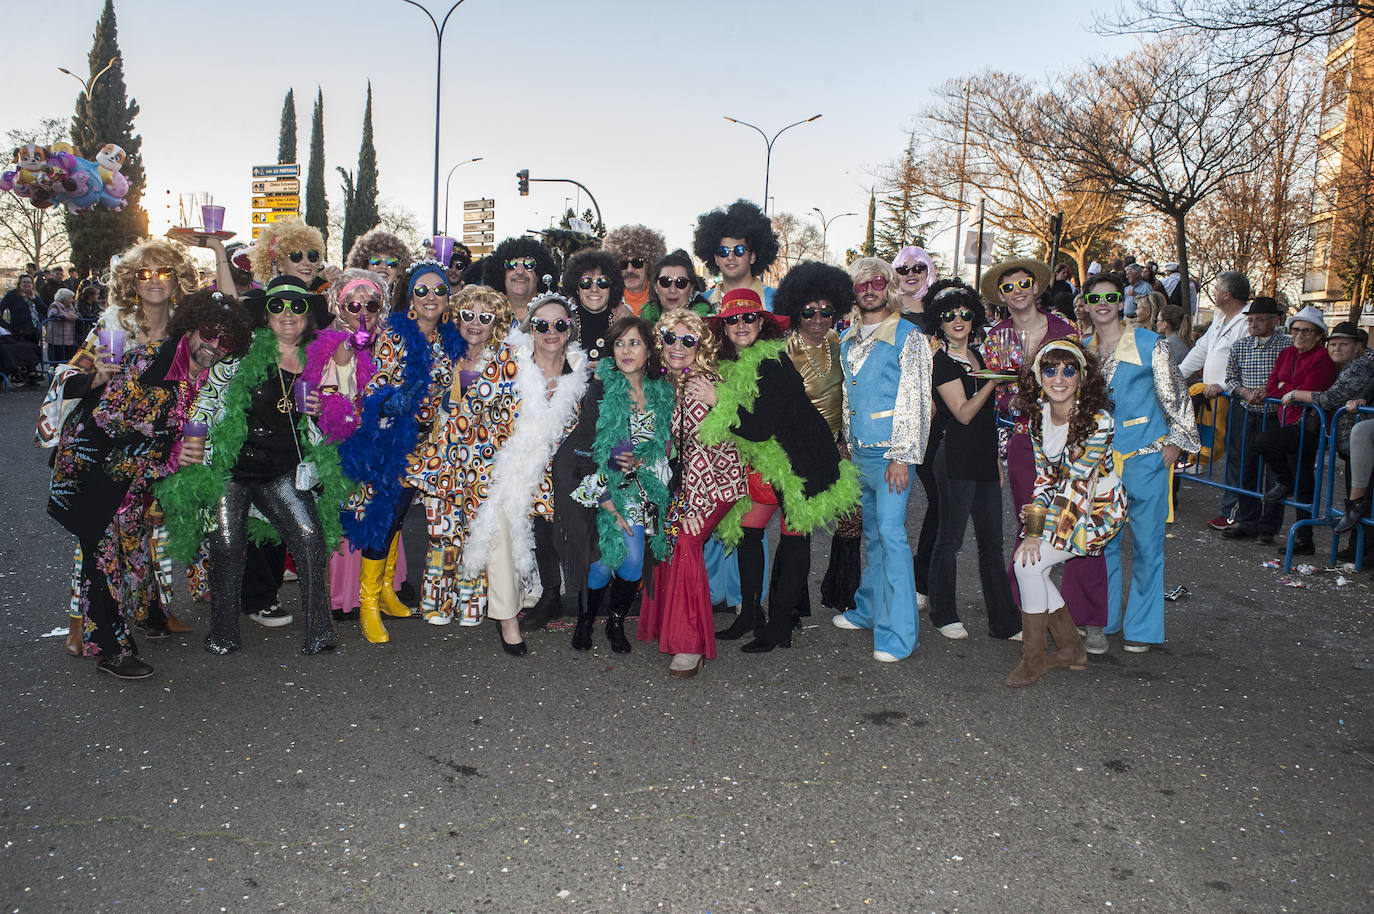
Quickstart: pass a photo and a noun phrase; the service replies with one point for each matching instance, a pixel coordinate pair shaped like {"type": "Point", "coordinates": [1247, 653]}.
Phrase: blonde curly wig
{"type": "Point", "coordinates": [704, 356]}
{"type": "Point", "coordinates": [490, 301]}
{"type": "Point", "coordinates": [153, 253]}
{"type": "Point", "coordinates": [280, 240]}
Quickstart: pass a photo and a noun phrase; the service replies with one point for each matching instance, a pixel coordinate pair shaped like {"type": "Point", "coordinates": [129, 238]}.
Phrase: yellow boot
{"type": "Point", "coordinates": [389, 603]}
{"type": "Point", "coordinates": [370, 584]}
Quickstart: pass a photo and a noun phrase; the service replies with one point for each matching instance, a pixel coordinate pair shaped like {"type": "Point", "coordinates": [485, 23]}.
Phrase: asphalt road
{"type": "Point", "coordinates": [1230, 771]}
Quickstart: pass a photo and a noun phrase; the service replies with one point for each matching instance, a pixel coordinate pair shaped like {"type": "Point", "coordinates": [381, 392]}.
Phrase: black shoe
{"type": "Point", "coordinates": [586, 617]}
{"type": "Point", "coordinates": [1237, 533]}
{"type": "Point", "coordinates": [1299, 548]}
{"type": "Point", "coordinates": [1347, 554]}
{"type": "Point", "coordinates": [770, 639]}
{"type": "Point", "coordinates": [744, 624]}
{"type": "Point", "coordinates": [126, 666]}
{"type": "Point", "coordinates": [1355, 510]}
{"type": "Point", "coordinates": [539, 615]}
{"type": "Point", "coordinates": [342, 615]}
{"type": "Point", "coordinates": [158, 633]}
{"type": "Point", "coordinates": [622, 593]}
{"type": "Point", "coordinates": [1278, 493]}
{"type": "Point", "coordinates": [272, 617]}
{"type": "Point", "coordinates": [1266, 539]}
{"type": "Point", "coordinates": [515, 650]}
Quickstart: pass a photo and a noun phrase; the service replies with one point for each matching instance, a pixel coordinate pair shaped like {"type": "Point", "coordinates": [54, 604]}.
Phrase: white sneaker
{"type": "Point", "coordinates": [954, 631]}
{"type": "Point", "coordinates": [840, 620]}
{"type": "Point", "coordinates": [885, 657]}
{"type": "Point", "coordinates": [437, 618]}
{"type": "Point", "coordinates": [922, 601]}
{"type": "Point", "coordinates": [1017, 637]}
{"type": "Point", "coordinates": [272, 617]}
{"type": "Point", "coordinates": [1096, 641]}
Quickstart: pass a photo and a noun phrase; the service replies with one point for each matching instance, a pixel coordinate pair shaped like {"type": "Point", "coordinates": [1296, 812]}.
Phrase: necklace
{"type": "Point", "coordinates": [806, 351]}
{"type": "Point", "coordinates": [284, 404]}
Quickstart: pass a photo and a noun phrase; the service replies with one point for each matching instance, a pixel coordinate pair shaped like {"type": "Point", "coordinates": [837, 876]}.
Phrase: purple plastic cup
{"type": "Point", "coordinates": [113, 340]}
{"type": "Point", "coordinates": [303, 389]}
{"type": "Point", "coordinates": [625, 446]}
{"type": "Point", "coordinates": [213, 217]}
{"type": "Point", "coordinates": [193, 432]}
{"type": "Point", "coordinates": [443, 249]}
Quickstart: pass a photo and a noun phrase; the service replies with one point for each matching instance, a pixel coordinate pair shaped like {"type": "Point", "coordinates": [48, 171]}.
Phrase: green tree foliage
{"type": "Point", "coordinates": [286, 142]}
{"type": "Point", "coordinates": [360, 190]}
{"type": "Point", "coordinates": [105, 115]}
{"type": "Point", "coordinates": [316, 203]}
{"type": "Point", "coordinates": [899, 223]}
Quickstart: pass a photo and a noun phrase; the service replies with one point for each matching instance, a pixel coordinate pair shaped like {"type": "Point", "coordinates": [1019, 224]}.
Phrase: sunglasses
{"type": "Point", "coordinates": [636, 262]}
{"type": "Point", "coordinates": [421, 290]}
{"type": "Point", "coordinates": [738, 250]}
{"type": "Point", "coordinates": [812, 311]}
{"type": "Point", "coordinates": [687, 340]}
{"type": "Point", "coordinates": [279, 305]}
{"type": "Point", "coordinates": [1053, 371]}
{"type": "Point", "coordinates": [484, 318]}
{"type": "Point", "coordinates": [1011, 286]}
{"type": "Point", "coordinates": [372, 305]}
{"type": "Point", "coordinates": [212, 336]}
{"type": "Point", "coordinates": [877, 284]}
{"type": "Point", "coordinates": [964, 314]}
{"type": "Point", "coordinates": [586, 282]}
{"type": "Point", "coordinates": [562, 325]}
{"type": "Point", "coordinates": [748, 317]}
{"type": "Point", "coordinates": [298, 256]}
{"type": "Point", "coordinates": [527, 263]}
{"type": "Point", "coordinates": [146, 274]}
{"type": "Point", "coordinates": [383, 261]}
{"type": "Point", "coordinates": [909, 269]}
{"type": "Point", "coordinates": [667, 282]}
{"type": "Point", "coordinates": [1110, 298]}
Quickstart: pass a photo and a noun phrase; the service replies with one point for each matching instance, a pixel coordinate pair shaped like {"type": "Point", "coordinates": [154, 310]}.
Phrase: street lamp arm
{"type": "Point", "coordinates": [788, 127]}
{"type": "Point", "coordinates": [766, 141]}
{"type": "Point", "coordinates": [595, 205]}
{"type": "Point", "coordinates": [444, 25]}
{"type": "Point", "coordinates": [421, 8]}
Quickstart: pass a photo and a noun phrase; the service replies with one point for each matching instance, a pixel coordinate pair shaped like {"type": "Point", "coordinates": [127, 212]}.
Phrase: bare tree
{"type": "Point", "coordinates": [1162, 127]}
{"type": "Point", "coordinates": [898, 209]}
{"type": "Point", "coordinates": [37, 235]}
{"type": "Point", "coordinates": [973, 153]}
{"type": "Point", "coordinates": [798, 240]}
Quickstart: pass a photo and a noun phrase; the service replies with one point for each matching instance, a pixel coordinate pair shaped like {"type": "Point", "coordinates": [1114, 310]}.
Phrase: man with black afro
{"type": "Point", "coordinates": [517, 268]}
{"type": "Point", "coordinates": [739, 245]}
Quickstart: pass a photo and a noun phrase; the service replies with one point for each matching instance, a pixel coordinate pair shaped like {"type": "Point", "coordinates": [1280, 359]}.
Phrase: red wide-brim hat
{"type": "Point", "coordinates": [744, 301]}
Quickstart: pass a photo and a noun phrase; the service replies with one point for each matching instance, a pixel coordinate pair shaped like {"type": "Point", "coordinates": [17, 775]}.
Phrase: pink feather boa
{"type": "Point", "coordinates": [338, 414]}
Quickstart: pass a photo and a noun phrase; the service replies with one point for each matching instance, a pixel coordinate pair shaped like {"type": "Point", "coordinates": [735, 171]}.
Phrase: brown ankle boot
{"type": "Point", "coordinates": [1032, 665]}
{"type": "Point", "coordinates": [75, 625]}
{"type": "Point", "coordinates": [1068, 644]}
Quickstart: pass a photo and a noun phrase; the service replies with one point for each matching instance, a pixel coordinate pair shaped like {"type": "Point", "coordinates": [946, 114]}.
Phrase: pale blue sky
{"type": "Point", "coordinates": [627, 97]}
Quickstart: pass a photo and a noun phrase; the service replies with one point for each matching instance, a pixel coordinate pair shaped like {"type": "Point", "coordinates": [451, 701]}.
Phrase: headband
{"type": "Point", "coordinates": [1059, 346]}
{"type": "Point", "coordinates": [355, 283]}
{"type": "Point", "coordinates": [424, 268]}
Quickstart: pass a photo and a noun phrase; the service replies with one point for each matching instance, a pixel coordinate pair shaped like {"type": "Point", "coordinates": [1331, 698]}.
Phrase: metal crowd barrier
{"type": "Point", "coordinates": [1334, 506]}
{"type": "Point", "coordinates": [1323, 472]}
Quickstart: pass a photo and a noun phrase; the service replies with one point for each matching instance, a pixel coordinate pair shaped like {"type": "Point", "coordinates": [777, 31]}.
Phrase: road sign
{"type": "Point", "coordinates": [479, 215]}
{"type": "Point", "coordinates": [276, 215]}
{"type": "Point", "coordinates": [257, 230]}
{"type": "Point", "coordinates": [279, 201]}
{"type": "Point", "coordinates": [477, 239]}
{"type": "Point", "coordinates": [480, 249]}
{"type": "Point", "coordinates": [276, 171]}
{"type": "Point", "coordinates": [286, 186]}
{"type": "Point", "coordinates": [478, 204]}
{"type": "Point", "coordinates": [479, 226]}
{"type": "Point", "coordinates": [971, 246]}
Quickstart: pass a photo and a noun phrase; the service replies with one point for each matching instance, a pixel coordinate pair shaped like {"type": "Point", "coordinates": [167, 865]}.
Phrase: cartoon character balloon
{"type": "Point", "coordinates": [52, 175]}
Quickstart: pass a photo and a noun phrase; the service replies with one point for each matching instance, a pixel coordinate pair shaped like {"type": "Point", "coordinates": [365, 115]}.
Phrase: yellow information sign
{"type": "Point", "coordinates": [280, 201]}
{"type": "Point", "coordinates": [283, 215]}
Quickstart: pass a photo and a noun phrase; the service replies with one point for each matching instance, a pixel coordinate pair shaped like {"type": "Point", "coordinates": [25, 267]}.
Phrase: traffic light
{"type": "Point", "coordinates": [524, 176]}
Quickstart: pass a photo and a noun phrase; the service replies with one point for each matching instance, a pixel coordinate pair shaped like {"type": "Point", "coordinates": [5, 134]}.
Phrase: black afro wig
{"type": "Point", "coordinates": [741, 220]}
{"type": "Point", "coordinates": [494, 268]}
{"type": "Point", "coordinates": [812, 281]}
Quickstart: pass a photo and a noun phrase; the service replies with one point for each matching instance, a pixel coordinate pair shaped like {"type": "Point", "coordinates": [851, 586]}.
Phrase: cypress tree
{"type": "Point", "coordinates": [105, 115]}
{"type": "Point", "coordinates": [349, 207]}
{"type": "Point", "coordinates": [316, 204]}
{"type": "Point", "coordinates": [286, 142]}
{"type": "Point", "coordinates": [364, 215]}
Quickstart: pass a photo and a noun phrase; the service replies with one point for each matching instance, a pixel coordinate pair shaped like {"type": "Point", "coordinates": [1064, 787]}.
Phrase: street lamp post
{"type": "Point", "coordinates": [438, 84]}
{"type": "Point", "coordinates": [825, 226]}
{"type": "Point", "coordinates": [448, 181]}
{"type": "Point", "coordinates": [768, 143]}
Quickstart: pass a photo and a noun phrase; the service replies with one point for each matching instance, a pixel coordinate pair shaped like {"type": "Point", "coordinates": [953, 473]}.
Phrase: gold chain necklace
{"type": "Point", "coordinates": [284, 404]}
{"type": "Point", "coordinates": [806, 351]}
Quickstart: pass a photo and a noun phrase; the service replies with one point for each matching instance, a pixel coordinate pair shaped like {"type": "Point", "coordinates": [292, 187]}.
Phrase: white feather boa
{"type": "Point", "coordinates": [519, 465]}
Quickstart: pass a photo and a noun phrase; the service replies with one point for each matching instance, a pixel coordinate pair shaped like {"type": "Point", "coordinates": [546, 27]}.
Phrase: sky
{"type": "Point", "coordinates": [629, 98]}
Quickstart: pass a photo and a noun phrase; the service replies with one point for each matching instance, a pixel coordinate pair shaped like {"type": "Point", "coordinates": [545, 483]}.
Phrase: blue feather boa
{"type": "Point", "coordinates": [376, 453]}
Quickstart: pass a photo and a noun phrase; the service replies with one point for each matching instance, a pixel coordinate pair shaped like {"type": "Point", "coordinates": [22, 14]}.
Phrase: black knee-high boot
{"type": "Point", "coordinates": [622, 594]}
{"type": "Point", "coordinates": [586, 617]}
{"type": "Point", "coordinates": [550, 603]}
{"type": "Point", "coordinates": [842, 576]}
{"type": "Point", "coordinates": [749, 555]}
{"type": "Point", "coordinates": [793, 561]}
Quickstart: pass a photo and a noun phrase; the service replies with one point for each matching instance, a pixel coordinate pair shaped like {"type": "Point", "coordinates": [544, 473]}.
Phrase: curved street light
{"type": "Point", "coordinates": [768, 143]}
{"type": "Point", "coordinates": [825, 226]}
{"type": "Point", "coordinates": [447, 182]}
{"type": "Point", "coordinates": [438, 85]}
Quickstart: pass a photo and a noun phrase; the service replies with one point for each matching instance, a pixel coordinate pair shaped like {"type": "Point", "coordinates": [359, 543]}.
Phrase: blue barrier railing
{"type": "Point", "coordinates": [1334, 512]}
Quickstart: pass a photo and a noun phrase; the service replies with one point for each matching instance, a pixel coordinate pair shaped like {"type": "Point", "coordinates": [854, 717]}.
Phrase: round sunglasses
{"type": "Point", "coordinates": [963, 314]}
{"type": "Point", "coordinates": [688, 340]}
{"type": "Point", "coordinates": [146, 274]}
{"type": "Point", "coordinates": [725, 250]}
{"type": "Point", "coordinates": [748, 317]}
{"type": "Point", "coordinates": [562, 325]}
{"type": "Point", "coordinates": [910, 269]}
{"type": "Point", "coordinates": [1053, 371]}
{"type": "Point", "coordinates": [635, 262]}
{"type": "Point", "coordinates": [877, 284]}
{"type": "Point", "coordinates": [527, 263]}
{"type": "Point", "coordinates": [298, 256]}
{"type": "Point", "coordinates": [485, 318]}
{"type": "Point", "coordinates": [586, 282]}
{"type": "Point", "coordinates": [391, 262]}
{"type": "Point", "coordinates": [812, 311]}
{"type": "Point", "coordinates": [217, 337]}
{"type": "Point", "coordinates": [279, 305]}
{"type": "Point", "coordinates": [668, 282]}
{"type": "Point", "coordinates": [372, 305]}
{"type": "Point", "coordinates": [421, 290]}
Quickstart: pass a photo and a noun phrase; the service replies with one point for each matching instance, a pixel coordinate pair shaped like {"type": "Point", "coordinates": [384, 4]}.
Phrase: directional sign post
{"type": "Point", "coordinates": [284, 186]}
{"type": "Point", "coordinates": [478, 204]}
{"type": "Point", "coordinates": [277, 171]}
{"type": "Point", "coordinates": [276, 195]}
{"type": "Point", "coordinates": [275, 215]}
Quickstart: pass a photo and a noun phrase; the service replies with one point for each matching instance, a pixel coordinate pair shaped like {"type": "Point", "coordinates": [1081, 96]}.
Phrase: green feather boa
{"type": "Point", "coordinates": [736, 392]}
{"type": "Point", "coordinates": [612, 427]}
{"type": "Point", "coordinates": [188, 497]}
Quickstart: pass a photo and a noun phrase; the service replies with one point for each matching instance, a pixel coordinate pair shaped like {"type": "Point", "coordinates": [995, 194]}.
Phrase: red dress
{"type": "Point", "coordinates": [677, 605]}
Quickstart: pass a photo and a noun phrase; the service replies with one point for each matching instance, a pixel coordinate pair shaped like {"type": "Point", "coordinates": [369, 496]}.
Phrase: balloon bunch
{"type": "Point", "coordinates": [49, 175]}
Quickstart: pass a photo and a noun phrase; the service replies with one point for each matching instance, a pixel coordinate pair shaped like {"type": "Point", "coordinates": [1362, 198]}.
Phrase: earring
{"type": "Point", "coordinates": [411, 313]}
